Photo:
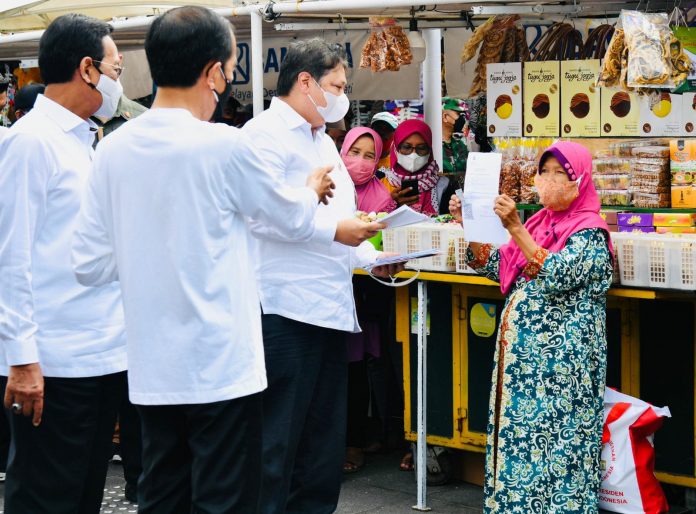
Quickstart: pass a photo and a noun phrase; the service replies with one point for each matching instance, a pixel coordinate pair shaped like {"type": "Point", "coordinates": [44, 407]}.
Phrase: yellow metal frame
{"type": "Point", "coordinates": [468, 285]}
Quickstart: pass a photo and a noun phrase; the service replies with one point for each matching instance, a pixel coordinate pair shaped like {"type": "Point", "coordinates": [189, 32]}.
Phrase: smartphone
{"type": "Point", "coordinates": [413, 184]}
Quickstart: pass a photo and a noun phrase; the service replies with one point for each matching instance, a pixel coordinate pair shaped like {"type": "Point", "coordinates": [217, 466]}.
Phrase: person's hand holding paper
{"type": "Point", "coordinates": [479, 219]}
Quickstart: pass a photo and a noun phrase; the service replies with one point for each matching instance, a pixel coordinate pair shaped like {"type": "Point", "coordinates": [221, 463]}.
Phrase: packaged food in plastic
{"type": "Point", "coordinates": [614, 197]}
{"type": "Point", "coordinates": [647, 41]}
{"type": "Point", "coordinates": [387, 48]}
{"type": "Point", "coordinates": [626, 148]}
{"type": "Point", "coordinates": [611, 165]}
{"type": "Point", "coordinates": [652, 201]}
{"type": "Point", "coordinates": [528, 191]}
{"type": "Point", "coordinates": [510, 179]}
{"type": "Point", "coordinates": [610, 73]}
{"type": "Point", "coordinates": [612, 181]}
{"type": "Point", "coordinates": [651, 151]}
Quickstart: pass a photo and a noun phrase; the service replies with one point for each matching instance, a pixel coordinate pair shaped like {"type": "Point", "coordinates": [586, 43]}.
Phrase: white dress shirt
{"type": "Point", "coordinates": [46, 316]}
{"type": "Point", "coordinates": [307, 280]}
{"type": "Point", "coordinates": [164, 215]}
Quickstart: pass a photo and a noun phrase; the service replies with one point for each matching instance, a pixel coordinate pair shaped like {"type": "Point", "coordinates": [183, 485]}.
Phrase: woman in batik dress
{"type": "Point", "coordinates": [546, 408]}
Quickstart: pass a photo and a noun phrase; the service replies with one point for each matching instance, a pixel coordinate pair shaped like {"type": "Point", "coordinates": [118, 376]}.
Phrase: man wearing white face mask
{"type": "Point", "coordinates": [305, 288]}
{"type": "Point", "coordinates": [62, 343]}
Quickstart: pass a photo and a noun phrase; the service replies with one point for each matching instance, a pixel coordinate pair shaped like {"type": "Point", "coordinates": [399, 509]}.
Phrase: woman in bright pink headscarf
{"type": "Point", "coordinates": [546, 408]}
{"type": "Point", "coordinates": [361, 153]}
{"type": "Point", "coordinates": [412, 160]}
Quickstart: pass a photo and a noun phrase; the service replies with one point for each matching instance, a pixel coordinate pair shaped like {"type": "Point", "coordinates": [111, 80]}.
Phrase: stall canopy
{"type": "Point", "coordinates": [23, 15]}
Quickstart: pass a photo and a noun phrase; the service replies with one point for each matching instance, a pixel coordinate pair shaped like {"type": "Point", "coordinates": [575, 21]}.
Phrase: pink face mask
{"type": "Point", "coordinates": [360, 170]}
{"type": "Point", "coordinates": [556, 196]}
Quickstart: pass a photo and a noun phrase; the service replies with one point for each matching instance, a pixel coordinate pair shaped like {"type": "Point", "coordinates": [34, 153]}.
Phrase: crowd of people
{"type": "Point", "coordinates": [193, 281]}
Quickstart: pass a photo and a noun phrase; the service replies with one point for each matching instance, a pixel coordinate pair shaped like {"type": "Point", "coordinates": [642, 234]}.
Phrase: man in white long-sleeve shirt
{"type": "Point", "coordinates": [164, 215]}
{"type": "Point", "coordinates": [63, 344]}
{"type": "Point", "coordinates": [306, 288]}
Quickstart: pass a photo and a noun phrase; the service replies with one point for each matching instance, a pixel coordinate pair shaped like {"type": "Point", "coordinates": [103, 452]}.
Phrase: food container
{"type": "Point", "coordinates": [637, 229]}
{"type": "Point", "coordinates": [612, 165]}
{"type": "Point", "coordinates": [622, 181]}
{"type": "Point", "coordinates": [651, 151]}
{"type": "Point", "coordinates": [615, 197]}
{"type": "Point", "coordinates": [634, 219]}
{"type": "Point", "coordinates": [673, 220]}
{"type": "Point", "coordinates": [675, 230]}
{"type": "Point", "coordinates": [652, 201]}
{"type": "Point", "coordinates": [611, 217]}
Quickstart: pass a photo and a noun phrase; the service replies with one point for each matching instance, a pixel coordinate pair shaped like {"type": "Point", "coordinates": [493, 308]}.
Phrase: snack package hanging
{"type": "Point", "coordinates": [610, 74]}
{"type": "Point", "coordinates": [648, 42]}
{"type": "Point", "coordinates": [387, 48]}
{"type": "Point", "coordinates": [628, 484]}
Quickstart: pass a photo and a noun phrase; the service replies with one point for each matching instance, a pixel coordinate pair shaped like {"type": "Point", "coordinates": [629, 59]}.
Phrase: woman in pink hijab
{"type": "Point", "coordinates": [361, 152]}
{"type": "Point", "coordinates": [546, 408]}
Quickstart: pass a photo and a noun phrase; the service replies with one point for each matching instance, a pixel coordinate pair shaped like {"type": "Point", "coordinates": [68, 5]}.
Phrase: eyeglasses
{"type": "Point", "coordinates": [407, 149]}
{"type": "Point", "coordinates": [118, 68]}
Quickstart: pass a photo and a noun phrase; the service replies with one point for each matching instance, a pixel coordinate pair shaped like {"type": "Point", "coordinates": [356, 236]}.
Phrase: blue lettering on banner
{"type": "Point", "coordinates": [241, 72]}
{"type": "Point", "coordinates": [242, 75]}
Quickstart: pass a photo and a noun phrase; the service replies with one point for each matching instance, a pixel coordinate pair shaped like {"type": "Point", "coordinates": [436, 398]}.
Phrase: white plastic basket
{"type": "Point", "coordinates": [656, 260]}
{"type": "Point", "coordinates": [462, 266]}
{"type": "Point", "coordinates": [423, 236]}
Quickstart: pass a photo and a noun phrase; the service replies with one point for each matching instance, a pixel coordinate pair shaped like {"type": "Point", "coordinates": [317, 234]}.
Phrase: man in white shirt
{"type": "Point", "coordinates": [164, 215]}
{"type": "Point", "coordinates": [306, 289]}
{"type": "Point", "coordinates": [63, 345]}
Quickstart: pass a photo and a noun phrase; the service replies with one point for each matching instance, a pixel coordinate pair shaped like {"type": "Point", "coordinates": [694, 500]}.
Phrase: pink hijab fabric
{"type": "Point", "coordinates": [551, 230]}
{"type": "Point", "coordinates": [373, 195]}
{"type": "Point", "coordinates": [427, 177]}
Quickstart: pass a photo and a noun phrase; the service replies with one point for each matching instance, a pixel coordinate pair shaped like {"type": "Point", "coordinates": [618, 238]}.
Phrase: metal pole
{"type": "Point", "coordinates": [432, 88]}
{"type": "Point", "coordinates": [256, 61]}
{"type": "Point", "coordinates": [421, 411]}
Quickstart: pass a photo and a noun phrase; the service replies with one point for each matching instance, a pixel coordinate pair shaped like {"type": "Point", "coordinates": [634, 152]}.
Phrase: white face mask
{"type": "Point", "coordinates": [412, 162]}
{"type": "Point", "coordinates": [336, 106]}
{"type": "Point", "coordinates": [111, 91]}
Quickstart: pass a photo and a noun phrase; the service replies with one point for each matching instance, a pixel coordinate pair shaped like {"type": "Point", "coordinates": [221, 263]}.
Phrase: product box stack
{"type": "Point", "coordinates": [635, 222]}
{"type": "Point", "coordinates": [674, 223]}
{"type": "Point", "coordinates": [650, 177]}
{"type": "Point", "coordinates": [683, 168]}
{"type": "Point", "coordinates": [611, 175]}
{"type": "Point", "coordinates": [611, 217]}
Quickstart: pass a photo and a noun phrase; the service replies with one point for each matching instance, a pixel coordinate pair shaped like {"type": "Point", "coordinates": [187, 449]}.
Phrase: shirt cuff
{"type": "Point", "coordinates": [324, 231]}
{"type": "Point", "coordinates": [477, 260]}
{"type": "Point", "coordinates": [19, 353]}
{"type": "Point", "coordinates": [366, 254]}
{"type": "Point", "coordinates": [535, 264]}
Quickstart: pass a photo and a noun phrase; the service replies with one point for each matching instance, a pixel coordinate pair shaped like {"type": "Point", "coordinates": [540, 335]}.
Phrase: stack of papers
{"type": "Point", "coordinates": [396, 259]}
{"type": "Point", "coordinates": [403, 216]}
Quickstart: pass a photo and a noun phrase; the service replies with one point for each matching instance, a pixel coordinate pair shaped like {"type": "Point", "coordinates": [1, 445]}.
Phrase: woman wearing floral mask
{"type": "Point", "coordinates": [412, 160]}
{"type": "Point", "coordinates": [546, 408]}
{"type": "Point", "coordinates": [361, 152]}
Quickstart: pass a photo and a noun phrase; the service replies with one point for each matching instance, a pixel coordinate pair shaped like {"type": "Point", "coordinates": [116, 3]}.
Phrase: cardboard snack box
{"type": "Point", "coordinates": [620, 113]}
{"type": "Point", "coordinates": [542, 98]}
{"type": "Point", "coordinates": [673, 220]}
{"type": "Point", "coordinates": [504, 99]}
{"type": "Point", "coordinates": [634, 219]}
{"type": "Point", "coordinates": [580, 99]}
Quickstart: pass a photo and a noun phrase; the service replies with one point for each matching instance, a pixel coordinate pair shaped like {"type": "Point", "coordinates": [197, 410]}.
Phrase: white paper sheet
{"type": "Point", "coordinates": [480, 222]}
{"type": "Point", "coordinates": [403, 216]}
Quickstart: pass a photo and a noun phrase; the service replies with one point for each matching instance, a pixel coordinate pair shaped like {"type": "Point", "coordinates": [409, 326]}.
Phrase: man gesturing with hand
{"type": "Point", "coordinates": [306, 289]}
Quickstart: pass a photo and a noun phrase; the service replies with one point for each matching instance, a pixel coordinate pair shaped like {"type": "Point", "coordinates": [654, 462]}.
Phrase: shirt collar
{"type": "Point", "coordinates": [290, 115]}
{"type": "Point", "coordinates": [65, 119]}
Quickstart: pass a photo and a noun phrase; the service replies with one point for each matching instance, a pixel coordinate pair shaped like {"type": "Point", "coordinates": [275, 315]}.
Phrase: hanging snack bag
{"type": "Point", "coordinates": [387, 48]}
{"type": "Point", "coordinates": [648, 38]}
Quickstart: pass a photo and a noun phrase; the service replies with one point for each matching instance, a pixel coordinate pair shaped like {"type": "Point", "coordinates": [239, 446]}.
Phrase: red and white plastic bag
{"type": "Point", "coordinates": [628, 484]}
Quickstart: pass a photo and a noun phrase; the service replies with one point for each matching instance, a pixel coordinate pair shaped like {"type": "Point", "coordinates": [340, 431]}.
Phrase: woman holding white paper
{"type": "Point", "coordinates": [545, 416]}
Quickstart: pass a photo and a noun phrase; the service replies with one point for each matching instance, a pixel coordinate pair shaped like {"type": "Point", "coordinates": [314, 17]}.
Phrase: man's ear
{"type": "Point", "coordinates": [304, 81]}
{"type": "Point", "coordinates": [83, 70]}
{"type": "Point", "coordinates": [211, 73]}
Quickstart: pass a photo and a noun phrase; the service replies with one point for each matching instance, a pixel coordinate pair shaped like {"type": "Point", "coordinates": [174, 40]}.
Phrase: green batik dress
{"type": "Point", "coordinates": [546, 405]}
